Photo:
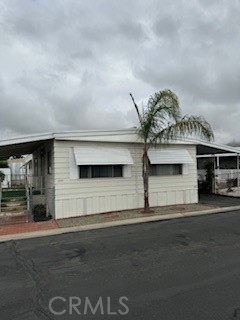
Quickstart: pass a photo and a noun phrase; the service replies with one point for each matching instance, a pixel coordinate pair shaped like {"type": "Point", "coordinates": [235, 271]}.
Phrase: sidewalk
{"type": "Point", "coordinates": [11, 229]}
{"type": "Point", "coordinates": [106, 220]}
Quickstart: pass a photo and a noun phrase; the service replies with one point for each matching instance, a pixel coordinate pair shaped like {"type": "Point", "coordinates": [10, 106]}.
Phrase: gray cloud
{"type": "Point", "coordinates": [68, 65]}
{"type": "Point", "coordinates": [167, 27]}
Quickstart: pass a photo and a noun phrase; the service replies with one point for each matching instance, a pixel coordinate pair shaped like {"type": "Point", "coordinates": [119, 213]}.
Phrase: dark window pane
{"type": "Point", "coordinates": [118, 171]}
{"type": "Point", "coordinates": [84, 171]}
{"type": "Point", "coordinates": [100, 171]}
{"type": "Point", "coordinates": [106, 171]}
{"type": "Point", "coordinates": [178, 169]}
{"type": "Point", "coordinates": [165, 169]}
{"type": "Point", "coordinates": [95, 172]}
{"type": "Point", "coordinates": [153, 170]}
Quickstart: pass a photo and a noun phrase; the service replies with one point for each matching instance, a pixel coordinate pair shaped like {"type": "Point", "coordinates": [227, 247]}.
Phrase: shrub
{"type": "Point", "coordinates": [40, 209]}
{"type": "Point", "coordinates": [2, 176]}
{"type": "Point", "coordinates": [3, 164]}
{"type": "Point", "coordinates": [210, 177]}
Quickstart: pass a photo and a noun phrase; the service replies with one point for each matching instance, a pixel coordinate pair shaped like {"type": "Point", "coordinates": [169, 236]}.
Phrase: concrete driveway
{"type": "Point", "coordinates": [180, 269]}
{"type": "Point", "coordinates": [218, 200]}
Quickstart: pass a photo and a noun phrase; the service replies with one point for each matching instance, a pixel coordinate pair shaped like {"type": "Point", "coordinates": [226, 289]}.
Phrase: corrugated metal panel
{"type": "Point", "coordinates": [102, 156]}
{"type": "Point", "coordinates": [168, 156]}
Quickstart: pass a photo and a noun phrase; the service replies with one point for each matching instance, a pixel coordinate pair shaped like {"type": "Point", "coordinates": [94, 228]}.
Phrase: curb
{"type": "Point", "coordinates": [52, 232]}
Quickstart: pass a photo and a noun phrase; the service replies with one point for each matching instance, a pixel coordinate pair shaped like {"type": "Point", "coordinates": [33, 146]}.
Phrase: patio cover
{"type": "Point", "coordinates": [22, 146]}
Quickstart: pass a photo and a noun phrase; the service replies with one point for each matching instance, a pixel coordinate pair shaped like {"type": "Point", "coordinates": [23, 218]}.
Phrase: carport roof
{"type": "Point", "coordinates": [204, 148]}
{"type": "Point", "coordinates": [26, 145]}
{"type": "Point", "coordinates": [20, 146]}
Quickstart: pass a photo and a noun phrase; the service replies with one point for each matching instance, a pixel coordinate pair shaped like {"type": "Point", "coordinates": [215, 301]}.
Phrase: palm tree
{"type": "Point", "coordinates": [161, 121]}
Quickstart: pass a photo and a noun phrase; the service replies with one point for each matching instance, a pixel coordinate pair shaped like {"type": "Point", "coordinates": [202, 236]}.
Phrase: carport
{"type": "Point", "coordinates": [225, 162]}
{"type": "Point", "coordinates": [32, 190]}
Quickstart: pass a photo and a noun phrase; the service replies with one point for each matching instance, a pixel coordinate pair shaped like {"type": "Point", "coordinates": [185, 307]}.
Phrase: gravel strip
{"type": "Point", "coordinates": [130, 214]}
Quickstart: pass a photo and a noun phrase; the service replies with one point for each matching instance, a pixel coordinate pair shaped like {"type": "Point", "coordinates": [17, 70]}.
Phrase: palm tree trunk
{"type": "Point", "coordinates": [145, 173]}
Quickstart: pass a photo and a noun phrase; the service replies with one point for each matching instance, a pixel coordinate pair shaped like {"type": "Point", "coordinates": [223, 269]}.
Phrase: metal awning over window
{"type": "Point", "coordinates": [102, 156]}
{"type": "Point", "coordinates": [169, 156]}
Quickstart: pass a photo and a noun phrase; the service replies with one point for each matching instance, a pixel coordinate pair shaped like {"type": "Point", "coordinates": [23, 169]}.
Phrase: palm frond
{"type": "Point", "coordinates": [161, 120]}
{"type": "Point", "coordinates": [162, 108]}
{"type": "Point", "coordinates": [186, 127]}
{"type": "Point", "coordinates": [164, 105]}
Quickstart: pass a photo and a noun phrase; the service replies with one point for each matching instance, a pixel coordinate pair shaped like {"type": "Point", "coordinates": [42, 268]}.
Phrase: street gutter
{"type": "Point", "coordinates": [52, 232]}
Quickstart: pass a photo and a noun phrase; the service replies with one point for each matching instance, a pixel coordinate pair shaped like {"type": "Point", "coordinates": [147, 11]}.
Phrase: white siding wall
{"type": "Point", "coordinates": [75, 197]}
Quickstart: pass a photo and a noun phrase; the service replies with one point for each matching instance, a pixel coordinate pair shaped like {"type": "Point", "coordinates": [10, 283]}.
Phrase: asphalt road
{"type": "Point", "coordinates": [180, 269]}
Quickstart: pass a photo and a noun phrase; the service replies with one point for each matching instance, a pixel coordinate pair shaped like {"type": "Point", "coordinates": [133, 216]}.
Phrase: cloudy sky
{"type": "Point", "coordinates": [70, 64]}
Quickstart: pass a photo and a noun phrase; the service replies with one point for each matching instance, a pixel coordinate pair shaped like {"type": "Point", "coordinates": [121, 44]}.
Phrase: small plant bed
{"type": "Point", "coordinates": [11, 193]}
{"type": "Point", "coordinates": [40, 213]}
{"type": "Point", "coordinates": [14, 199]}
{"type": "Point", "coordinates": [36, 192]}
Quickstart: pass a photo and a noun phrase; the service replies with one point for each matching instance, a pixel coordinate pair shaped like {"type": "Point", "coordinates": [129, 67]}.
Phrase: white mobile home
{"type": "Point", "coordinates": [89, 172]}
{"type": "Point", "coordinates": [94, 177]}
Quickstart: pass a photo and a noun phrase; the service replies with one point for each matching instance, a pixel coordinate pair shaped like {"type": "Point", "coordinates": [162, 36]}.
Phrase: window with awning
{"type": "Point", "coordinates": [169, 162]}
{"type": "Point", "coordinates": [169, 156]}
{"type": "Point", "coordinates": [102, 156]}
{"type": "Point", "coordinates": [100, 162]}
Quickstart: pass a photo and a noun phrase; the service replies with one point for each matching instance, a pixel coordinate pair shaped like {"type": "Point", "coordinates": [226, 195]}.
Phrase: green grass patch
{"type": "Point", "coordinates": [35, 192]}
{"type": "Point", "coordinates": [14, 193]}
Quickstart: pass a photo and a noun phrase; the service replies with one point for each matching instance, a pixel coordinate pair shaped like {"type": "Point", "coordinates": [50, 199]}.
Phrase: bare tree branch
{"type": "Point", "coordinates": [136, 107]}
